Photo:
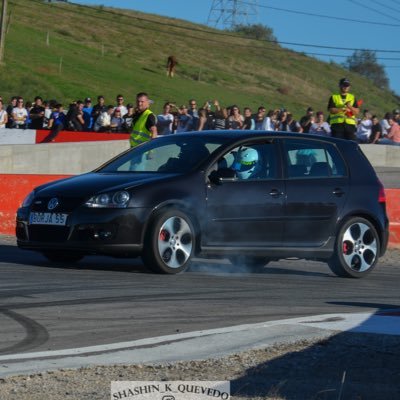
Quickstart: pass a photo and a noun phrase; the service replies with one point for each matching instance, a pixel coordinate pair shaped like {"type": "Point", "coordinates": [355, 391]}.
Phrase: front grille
{"type": "Point", "coordinates": [53, 234]}
{"type": "Point", "coordinates": [65, 204]}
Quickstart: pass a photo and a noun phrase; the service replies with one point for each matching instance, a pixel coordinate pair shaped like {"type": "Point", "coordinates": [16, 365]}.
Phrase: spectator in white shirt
{"type": "Point", "coordinates": [3, 116]}
{"type": "Point", "coordinates": [385, 124]}
{"type": "Point", "coordinates": [103, 121]}
{"type": "Point", "coordinates": [364, 128]}
{"type": "Point", "coordinates": [320, 127]}
{"type": "Point", "coordinates": [165, 120]}
{"type": "Point", "coordinates": [269, 123]}
{"type": "Point", "coordinates": [120, 105]}
{"type": "Point", "coordinates": [20, 114]}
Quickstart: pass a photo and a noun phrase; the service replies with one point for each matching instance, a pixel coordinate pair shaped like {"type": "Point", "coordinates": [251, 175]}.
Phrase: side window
{"type": "Point", "coordinates": [252, 161]}
{"type": "Point", "coordinates": [313, 159]}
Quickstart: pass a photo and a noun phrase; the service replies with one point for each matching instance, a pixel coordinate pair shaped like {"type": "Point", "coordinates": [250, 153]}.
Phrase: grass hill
{"type": "Point", "coordinates": [66, 51]}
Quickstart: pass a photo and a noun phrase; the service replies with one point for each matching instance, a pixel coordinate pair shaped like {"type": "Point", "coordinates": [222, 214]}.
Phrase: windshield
{"type": "Point", "coordinates": [172, 154]}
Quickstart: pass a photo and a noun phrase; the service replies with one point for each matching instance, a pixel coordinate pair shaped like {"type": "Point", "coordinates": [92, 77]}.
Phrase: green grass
{"type": "Point", "coordinates": [231, 69]}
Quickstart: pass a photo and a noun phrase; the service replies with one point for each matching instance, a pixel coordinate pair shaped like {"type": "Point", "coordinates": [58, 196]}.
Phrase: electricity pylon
{"type": "Point", "coordinates": [225, 14]}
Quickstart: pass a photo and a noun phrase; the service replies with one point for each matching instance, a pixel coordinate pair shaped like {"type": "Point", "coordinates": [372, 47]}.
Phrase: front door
{"type": "Point", "coordinates": [247, 211]}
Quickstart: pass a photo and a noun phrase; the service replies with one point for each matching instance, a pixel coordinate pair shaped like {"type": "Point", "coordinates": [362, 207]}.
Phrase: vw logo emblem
{"type": "Point", "coordinates": [53, 203]}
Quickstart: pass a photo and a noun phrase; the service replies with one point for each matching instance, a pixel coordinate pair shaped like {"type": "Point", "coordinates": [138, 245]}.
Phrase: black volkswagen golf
{"type": "Point", "coordinates": [251, 197]}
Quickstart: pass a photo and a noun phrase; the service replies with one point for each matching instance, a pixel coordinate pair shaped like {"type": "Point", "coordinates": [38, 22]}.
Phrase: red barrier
{"type": "Point", "coordinates": [68, 136]}
{"type": "Point", "coordinates": [14, 188]}
{"type": "Point", "coordinates": [393, 210]}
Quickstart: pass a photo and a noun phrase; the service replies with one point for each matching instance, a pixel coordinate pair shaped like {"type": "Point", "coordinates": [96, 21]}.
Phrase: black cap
{"type": "Point", "coordinates": [130, 105]}
{"type": "Point", "coordinates": [88, 100]}
{"type": "Point", "coordinates": [344, 82]}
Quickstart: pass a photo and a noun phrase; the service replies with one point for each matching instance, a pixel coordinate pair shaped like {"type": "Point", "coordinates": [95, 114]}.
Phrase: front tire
{"type": "Point", "coordinates": [170, 242]}
{"type": "Point", "coordinates": [356, 249]}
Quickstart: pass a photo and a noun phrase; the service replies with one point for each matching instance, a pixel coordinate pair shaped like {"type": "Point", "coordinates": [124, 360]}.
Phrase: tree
{"type": "Point", "coordinates": [255, 31]}
{"type": "Point", "coordinates": [364, 62]}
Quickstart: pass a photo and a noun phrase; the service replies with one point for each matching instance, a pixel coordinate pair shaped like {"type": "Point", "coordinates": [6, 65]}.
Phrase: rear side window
{"type": "Point", "coordinates": [312, 159]}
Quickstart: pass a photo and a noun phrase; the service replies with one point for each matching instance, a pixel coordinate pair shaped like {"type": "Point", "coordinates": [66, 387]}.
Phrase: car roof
{"type": "Point", "coordinates": [232, 135]}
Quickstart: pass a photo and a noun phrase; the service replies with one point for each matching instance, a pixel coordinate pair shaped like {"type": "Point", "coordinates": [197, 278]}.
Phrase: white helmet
{"type": "Point", "coordinates": [246, 163]}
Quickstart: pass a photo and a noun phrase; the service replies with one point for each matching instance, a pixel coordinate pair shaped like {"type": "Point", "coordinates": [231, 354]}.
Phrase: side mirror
{"type": "Point", "coordinates": [222, 175]}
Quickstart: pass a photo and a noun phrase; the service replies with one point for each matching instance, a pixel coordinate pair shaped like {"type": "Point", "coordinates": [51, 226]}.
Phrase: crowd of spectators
{"type": "Point", "coordinates": [118, 117]}
{"type": "Point", "coordinates": [80, 116]}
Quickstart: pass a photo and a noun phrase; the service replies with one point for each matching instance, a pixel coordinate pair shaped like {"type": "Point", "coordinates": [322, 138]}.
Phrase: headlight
{"type": "Point", "coordinates": [118, 199]}
{"type": "Point", "coordinates": [28, 199]}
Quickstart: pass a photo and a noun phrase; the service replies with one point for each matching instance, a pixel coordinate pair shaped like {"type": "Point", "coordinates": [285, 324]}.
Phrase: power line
{"type": "Point", "coordinates": [344, 56]}
{"type": "Point", "coordinates": [372, 9]}
{"type": "Point", "coordinates": [385, 5]}
{"type": "Point", "coordinates": [338, 48]}
{"type": "Point", "coordinates": [265, 48]}
{"type": "Point", "coordinates": [221, 33]}
{"type": "Point", "coordinates": [309, 14]}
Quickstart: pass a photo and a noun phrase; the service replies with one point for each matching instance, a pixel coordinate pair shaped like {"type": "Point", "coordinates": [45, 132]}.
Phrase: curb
{"type": "Point", "coordinates": [213, 343]}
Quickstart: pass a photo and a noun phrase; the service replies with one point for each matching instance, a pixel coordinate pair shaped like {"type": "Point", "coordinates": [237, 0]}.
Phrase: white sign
{"type": "Point", "coordinates": [170, 390]}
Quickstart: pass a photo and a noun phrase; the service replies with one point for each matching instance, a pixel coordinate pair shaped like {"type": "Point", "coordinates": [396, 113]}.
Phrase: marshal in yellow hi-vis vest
{"type": "Point", "coordinates": [343, 116]}
{"type": "Point", "coordinates": [140, 133]}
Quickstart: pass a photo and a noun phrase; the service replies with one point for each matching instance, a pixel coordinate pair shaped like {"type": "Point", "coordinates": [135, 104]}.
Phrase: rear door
{"type": "Point", "coordinates": [316, 190]}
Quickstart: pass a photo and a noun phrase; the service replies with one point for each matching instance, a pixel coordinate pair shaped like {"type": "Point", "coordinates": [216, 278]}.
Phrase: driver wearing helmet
{"type": "Point", "coordinates": [247, 164]}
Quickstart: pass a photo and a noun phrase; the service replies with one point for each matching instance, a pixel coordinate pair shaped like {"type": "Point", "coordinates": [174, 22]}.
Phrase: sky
{"type": "Point", "coordinates": [354, 24]}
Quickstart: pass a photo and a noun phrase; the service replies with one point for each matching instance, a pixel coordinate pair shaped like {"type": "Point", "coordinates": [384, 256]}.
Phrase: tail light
{"type": "Point", "coordinates": [382, 194]}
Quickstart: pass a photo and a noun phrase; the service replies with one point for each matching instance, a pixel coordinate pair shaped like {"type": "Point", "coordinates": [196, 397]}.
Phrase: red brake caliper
{"type": "Point", "coordinates": [164, 235]}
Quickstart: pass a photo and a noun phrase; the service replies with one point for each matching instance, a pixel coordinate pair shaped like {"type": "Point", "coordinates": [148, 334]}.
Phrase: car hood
{"type": "Point", "coordinates": [96, 182]}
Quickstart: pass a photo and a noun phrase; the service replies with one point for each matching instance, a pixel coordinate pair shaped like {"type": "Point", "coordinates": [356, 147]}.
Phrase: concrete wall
{"type": "Point", "coordinates": [381, 155]}
{"type": "Point", "coordinates": [76, 158]}
{"type": "Point", "coordinates": [60, 158]}
{"type": "Point", "coordinates": [17, 136]}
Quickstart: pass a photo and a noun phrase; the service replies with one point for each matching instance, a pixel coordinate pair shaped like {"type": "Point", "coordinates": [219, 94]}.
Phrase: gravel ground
{"type": "Point", "coordinates": [345, 366]}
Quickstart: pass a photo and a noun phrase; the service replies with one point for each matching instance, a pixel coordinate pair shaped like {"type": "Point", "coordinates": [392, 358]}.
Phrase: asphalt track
{"type": "Point", "coordinates": [102, 301]}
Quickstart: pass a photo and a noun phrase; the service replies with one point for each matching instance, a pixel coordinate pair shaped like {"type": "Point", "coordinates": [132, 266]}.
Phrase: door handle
{"type": "Point", "coordinates": [338, 192]}
{"type": "Point", "coordinates": [275, 193]}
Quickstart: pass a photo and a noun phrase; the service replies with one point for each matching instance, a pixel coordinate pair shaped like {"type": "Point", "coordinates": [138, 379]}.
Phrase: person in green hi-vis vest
{"type": "Point", "coordinates": [144, 122]}
{"type": "Point", "coordinates": [343, 109]}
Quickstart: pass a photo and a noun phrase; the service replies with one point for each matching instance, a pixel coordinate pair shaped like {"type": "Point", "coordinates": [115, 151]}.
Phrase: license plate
{"type": "Point", "coordinates": [40, 218]}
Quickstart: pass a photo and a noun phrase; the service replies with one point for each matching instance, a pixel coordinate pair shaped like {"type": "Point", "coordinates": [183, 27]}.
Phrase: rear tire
{"type": "Point", "coordinates": [170, 242]}
{"type": "Point", "coordinates": [356, 249]}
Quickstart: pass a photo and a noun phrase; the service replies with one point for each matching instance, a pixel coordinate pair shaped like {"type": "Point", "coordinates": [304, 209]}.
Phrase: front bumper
{"type": "Point", "coordinates": [116, 232]}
